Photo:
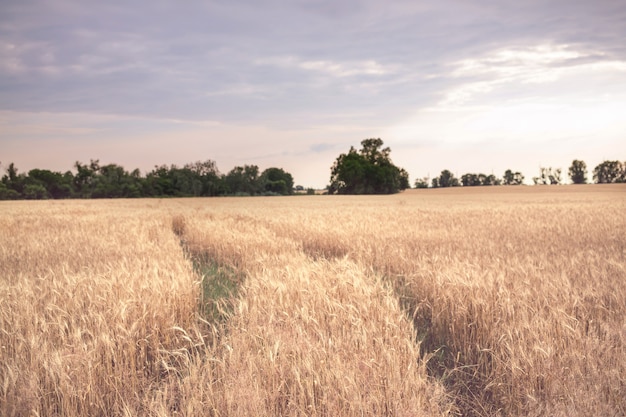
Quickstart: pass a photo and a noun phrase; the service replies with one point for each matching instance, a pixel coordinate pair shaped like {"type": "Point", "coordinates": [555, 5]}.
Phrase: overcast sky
{"type": "Point", "coordinates": [469, 86]}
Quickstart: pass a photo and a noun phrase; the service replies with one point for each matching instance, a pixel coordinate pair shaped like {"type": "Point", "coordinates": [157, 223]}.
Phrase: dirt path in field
{"type": "Point", "coordinates": [310, 331]}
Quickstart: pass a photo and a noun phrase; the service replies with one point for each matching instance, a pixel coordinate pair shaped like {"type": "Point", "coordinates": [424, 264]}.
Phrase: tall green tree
{"type": "Point", "coordinates": [243, 180]}
{"type": "Point", "coordinates": [609, 172]}
{"type": "Point", "coordinates": [56, 184]}
{"type": "Point", "coordinates": [276, 180]}
{"type": "Point", "coordinates": [512, 178]}
{"type": "Point", "coordinates": [367, 171]}
{"type": "Point", "coordinates": [490, 180]}
{"type": "Point", "coordinates": [479, 179]}
{"type": "Point", "coordinates": [470, 180]}
{"type": "Point", "coordinates": [548, 176]}
{"type": "Point", "coordinates": [421, 182]}
{"type": "Point", "coordinates": [447, 179]}
{"type": "Point", "coordinates": [13, 182]}
{"type": "Point", "coordinates": [7, 193]}
{"type": "Point", "coordinates": [160, 181]}
{"type": "Point", "coordinates": [207, 176]}
{"type": "Point", "coordinates": [578, 172]}
{"type": "Point", "coordinates": [84, 178]}
{"type": "Point", "coordinates": [113, 181]}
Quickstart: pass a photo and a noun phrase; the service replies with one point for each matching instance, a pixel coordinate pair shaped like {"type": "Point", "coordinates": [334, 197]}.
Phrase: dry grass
{"type": "Point", "coordinates": [483, 301]}
{"type": "Point", "coordinates": [92, 296]}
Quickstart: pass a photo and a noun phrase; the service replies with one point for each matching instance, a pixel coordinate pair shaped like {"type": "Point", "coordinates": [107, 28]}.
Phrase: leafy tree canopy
{"type": "Point", "coordinates": [94, 180]}
{"type": "Point", "coordinates": [276, 180]}
{"type": "Point", "coordinates": [367, 171]}
{"type": "Point", "coordinates": [578, 172]}
{"type": "Point", "coordinates": [548, 176]}
{"type": "Point", "coordinates": [610, 171]}
{"type": "Point", "coordinates": [445, 179]}
{"type": "Point", "coordinates": [421, 182]}
{"type": "Point", "coordinates": [512, 178]}
{"type": "Point", "coordinates": [471, 180]}
{"type": "Point", "coordinates": [243, 180]}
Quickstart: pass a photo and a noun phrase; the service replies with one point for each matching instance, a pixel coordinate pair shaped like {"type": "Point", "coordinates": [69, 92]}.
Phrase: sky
{"type": "Point", "coordinates": [472, 86]}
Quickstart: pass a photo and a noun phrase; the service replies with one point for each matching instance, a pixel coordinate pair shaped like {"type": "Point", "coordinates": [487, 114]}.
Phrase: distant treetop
{"type": "Point", "coordinates": [367, 171]}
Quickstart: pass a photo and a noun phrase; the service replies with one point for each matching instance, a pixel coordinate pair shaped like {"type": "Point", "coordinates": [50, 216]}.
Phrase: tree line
{"type": "Point", "coordinates": [604, 173]}
{"type": "Point", "coordinates": [371, 171]}
{"type": "Point", "coordinates": [93, 180]}
{"type": "Point", "coordinates": [366, 171]}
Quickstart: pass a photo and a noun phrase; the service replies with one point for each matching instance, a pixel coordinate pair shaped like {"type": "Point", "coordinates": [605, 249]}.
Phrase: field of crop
{"type": "Point", "coordinates": [480, 301]}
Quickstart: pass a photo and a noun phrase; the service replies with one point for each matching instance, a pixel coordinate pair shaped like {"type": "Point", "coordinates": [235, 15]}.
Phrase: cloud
{"type": "Point", "coordinates": [234, 78]}
{"type": "Point", "coordinates": [542, 64]}
{"type": "Point", "coordinates": [331, 68]}
{"type": "Point", "coordinates": [321, 147]}
{"type": "Point", "coordinates": [252, 61]}
{"type": "Point", "coordinates": [525, 106]}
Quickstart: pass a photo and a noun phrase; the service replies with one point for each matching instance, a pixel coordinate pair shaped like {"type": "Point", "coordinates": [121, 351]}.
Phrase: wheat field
{"type": "Point", "coordinates": [487, 301]}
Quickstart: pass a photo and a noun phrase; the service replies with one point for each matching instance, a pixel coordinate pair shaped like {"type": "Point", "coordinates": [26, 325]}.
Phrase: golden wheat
{"type": "Point", "coordinates": [481, 301]}
{"type": "Point", "coordinates": [91, 297]}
